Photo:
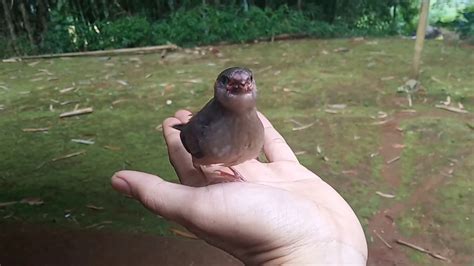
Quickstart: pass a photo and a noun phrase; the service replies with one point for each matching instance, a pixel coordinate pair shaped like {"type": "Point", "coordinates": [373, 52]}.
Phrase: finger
{"type": "Point", "coordinates": [183, 115]}
{"type": "Point", "coordinates": [275, 146]}
{"type": "Point", "coordinates": [179, 156]}
{"type": "Point", "coordinates": [164, 198]}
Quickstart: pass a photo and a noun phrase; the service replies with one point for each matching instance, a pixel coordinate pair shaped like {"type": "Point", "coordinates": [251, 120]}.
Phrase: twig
{"type": "Point", "coordinates": [77, 112]}
{"type": "Point", "coordinates": [418, 248]}
{"type": "Point", "coordinates": [98, 224]}
{"type": "Point", "coordinates": [83, 141]}
{"type": "Point", "coordinates": [302, 127]}
{"type": "Point", "coordinates": [393, 160]}
{"type": "Point", "coordinates": [41, 129]}
{"type": "Point", "coordinates": [67, 156]}
{"type": "Point", "coordinates": [8, 203]}
{"type": "Point", "coordinates": [383, 240]}
{"type": "Point", "coordinates": [95, 208]}
{"type": "Point", "coordinates": [452, 109]}
{"type": "Point", "coordinates": [385, 195]}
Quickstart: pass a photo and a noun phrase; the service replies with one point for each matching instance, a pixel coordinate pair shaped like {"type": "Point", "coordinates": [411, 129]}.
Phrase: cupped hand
{"type": "Point", "coordinates": [282, 213]}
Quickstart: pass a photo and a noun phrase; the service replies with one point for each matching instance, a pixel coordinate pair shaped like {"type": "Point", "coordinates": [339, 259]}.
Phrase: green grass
{"type": "Point", "coordinates": [297, 81]}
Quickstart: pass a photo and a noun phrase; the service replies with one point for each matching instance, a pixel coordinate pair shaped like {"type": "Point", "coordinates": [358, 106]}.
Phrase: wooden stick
{"type": "Point", "coordinates": [420, 36]}
{"type": "Point", "coordinates": [450, 108]}
{"type": "Point", "coordinates": [418, 248]}
{"type": "Point", "coordinates": [393, 160]}
{"type": "Point", "coordinates": [383, 240]}
{"type": "Point", "coordinates": [68, 156]}
{"type": "Point", "coordinates": [149, 49]}
{"type": "Point", "coordinates": [77, 112]}
{"type": "Point", "coordinates": [41, 129]}
{"type": "Point", "coordinates": [302, 127]}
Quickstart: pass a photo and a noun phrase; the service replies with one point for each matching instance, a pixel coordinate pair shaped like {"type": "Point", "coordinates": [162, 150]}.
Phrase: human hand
{"type": "Point", "coordinates": [282, 213]}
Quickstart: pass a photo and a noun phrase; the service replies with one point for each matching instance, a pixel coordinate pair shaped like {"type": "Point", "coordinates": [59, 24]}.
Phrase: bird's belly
{"type": "Point", "coordinates": [228, 152]}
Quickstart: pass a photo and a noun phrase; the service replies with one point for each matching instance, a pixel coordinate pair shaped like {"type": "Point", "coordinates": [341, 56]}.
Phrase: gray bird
{"type": "Point", "coordinates": [227, 130]}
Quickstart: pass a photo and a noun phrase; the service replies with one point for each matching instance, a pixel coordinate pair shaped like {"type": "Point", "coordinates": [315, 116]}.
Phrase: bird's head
{"type": "Point", "coordinates": [235, 89]}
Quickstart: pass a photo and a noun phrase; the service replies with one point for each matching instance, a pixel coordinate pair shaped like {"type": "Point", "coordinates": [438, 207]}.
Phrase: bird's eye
{"type": "Point", "coordinates": [251, 78]}
{"type": "Point", "coordinates": [225, 80]}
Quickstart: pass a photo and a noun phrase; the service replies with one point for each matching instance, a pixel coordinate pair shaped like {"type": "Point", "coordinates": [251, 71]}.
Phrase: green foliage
{"type": "Point", "coordinates": [200, 25]}
{"type": "Point", "coordinates": [124, 32]}
{"type": "Point", "coordinates": [465, 26]}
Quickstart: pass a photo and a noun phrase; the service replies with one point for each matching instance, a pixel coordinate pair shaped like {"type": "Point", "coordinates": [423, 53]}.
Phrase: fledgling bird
{"type": "Point", "coordinates": [227, 130]}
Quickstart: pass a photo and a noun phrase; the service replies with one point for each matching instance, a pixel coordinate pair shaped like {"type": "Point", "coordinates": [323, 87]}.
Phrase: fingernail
{"type": "Point", "coordinates": [121, 185]}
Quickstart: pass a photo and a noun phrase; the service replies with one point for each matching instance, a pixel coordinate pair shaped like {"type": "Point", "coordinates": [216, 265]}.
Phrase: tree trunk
{"type": "Point", "coordinates": [420, 37]}
{"type": "Point", "coordinates": [299, 4]}
{"type": "Point", "coordinates": [43, 16]}
{"type": "Point", "coordinates": [245, 5]}
{"type": "Point", "coordinates": [171, 5]}
{"type": "Point", "coordinates": [11, 28]}
{"type": "Point", "coordinates": [26, 22]}
{"type": "Point", "coordinates": [105, 8]}
{"type": "Point", "coordinates": [329, 10]}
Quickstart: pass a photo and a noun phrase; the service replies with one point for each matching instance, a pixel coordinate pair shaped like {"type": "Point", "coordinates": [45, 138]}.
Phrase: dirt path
{"type": "Point", "coordinates": [41, 245]}
{"type": "Point", "coordinates": [383, 222]}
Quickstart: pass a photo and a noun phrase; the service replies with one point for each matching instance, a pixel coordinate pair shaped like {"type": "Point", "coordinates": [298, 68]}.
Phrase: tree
{"type": "Point", "coordinates": [11, 26]}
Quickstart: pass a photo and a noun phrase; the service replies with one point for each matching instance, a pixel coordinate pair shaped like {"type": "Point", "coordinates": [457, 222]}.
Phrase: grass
{"type": "Point", "coordinates": [297, 81]}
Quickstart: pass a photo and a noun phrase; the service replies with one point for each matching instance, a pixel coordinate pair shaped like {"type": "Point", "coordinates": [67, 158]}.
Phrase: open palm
{"type": "Point", "coordinates": [281, 213]}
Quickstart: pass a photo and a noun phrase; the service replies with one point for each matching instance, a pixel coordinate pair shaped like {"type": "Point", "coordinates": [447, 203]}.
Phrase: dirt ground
{"type": "Point", "coordinates": [23, 244]}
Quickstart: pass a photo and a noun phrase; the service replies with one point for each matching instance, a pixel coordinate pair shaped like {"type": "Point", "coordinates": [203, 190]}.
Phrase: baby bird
{"type": "Point", "coordinates": [227, 130]}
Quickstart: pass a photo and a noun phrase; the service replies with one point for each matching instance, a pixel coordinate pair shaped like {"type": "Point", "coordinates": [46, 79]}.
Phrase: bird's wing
{"type": "Point", "coordinates": [196, 129]}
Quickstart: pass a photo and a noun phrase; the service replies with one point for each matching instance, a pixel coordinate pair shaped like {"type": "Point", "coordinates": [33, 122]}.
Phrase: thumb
{"type": "Point", "coordinates": [161, 197]}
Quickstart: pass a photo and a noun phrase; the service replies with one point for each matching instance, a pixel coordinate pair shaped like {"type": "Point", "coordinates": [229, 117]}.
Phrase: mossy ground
{"type": "Point", "coordinates": [297, 80]}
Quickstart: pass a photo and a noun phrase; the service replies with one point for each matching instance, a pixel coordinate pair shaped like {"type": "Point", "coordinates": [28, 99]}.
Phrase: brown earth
{"type": "Point", "coordinates": [22, 244]}
{"type": "Point", "coordinates": [382, 226]}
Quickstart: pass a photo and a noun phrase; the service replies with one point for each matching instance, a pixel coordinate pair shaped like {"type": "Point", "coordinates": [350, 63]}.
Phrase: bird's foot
{"type": "Point", "coordinates": [227, 177]}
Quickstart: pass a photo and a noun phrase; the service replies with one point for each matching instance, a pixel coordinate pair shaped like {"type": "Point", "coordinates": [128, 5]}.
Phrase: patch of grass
{"type": "Point", "coordinates": [430, 145]}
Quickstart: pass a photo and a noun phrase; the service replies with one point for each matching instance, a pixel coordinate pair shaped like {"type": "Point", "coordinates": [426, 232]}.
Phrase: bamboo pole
{"type": "Point", "coordinates": [149, 49]}
{"type": "Point", "coordinates": [420, 37]}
